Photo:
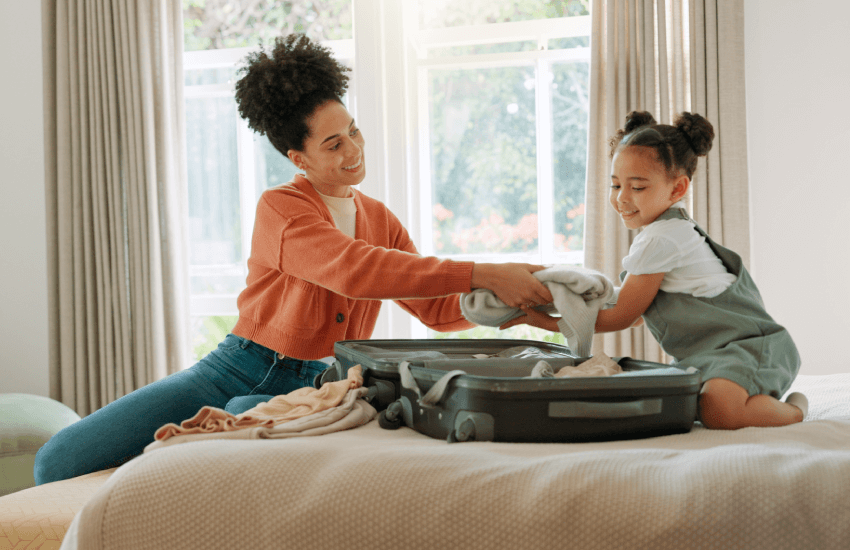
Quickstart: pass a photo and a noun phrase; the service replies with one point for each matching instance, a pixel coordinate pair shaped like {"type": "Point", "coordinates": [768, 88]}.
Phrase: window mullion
{"type": "Point", "coordinates": [247, 185]}
{"type": "Point", "coordinates": [426, 230]}
{"type": "Point", "coordinates": [545, 176]}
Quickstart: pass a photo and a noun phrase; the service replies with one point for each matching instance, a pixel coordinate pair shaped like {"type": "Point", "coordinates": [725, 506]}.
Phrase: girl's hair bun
{"type": "Point", "coordinates": [697, 131]}
{"type": "Point", "coordinates": [636, 119]}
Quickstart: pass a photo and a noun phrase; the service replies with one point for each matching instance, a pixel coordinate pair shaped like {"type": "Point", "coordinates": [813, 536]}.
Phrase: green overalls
{"type": "Point", "coordinates": [728, 336]}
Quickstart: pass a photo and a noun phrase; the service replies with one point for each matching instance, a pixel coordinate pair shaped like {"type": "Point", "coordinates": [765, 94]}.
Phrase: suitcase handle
{"type": "Point", "coordinates": [432, 396]}
{"type": "Point", "coordinates": [596, 409]}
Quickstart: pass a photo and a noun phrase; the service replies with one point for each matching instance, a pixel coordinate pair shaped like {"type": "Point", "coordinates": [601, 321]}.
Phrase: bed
{"type": "Point", "coordinates": [372, 488]}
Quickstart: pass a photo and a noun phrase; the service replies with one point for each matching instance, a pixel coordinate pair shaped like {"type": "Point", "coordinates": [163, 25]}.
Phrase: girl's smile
{"type": "Point", "coordinates": [640, 187]}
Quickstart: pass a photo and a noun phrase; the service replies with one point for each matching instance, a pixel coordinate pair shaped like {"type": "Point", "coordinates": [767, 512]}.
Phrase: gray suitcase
{"type": "Point", "coordinates": [480, 390]}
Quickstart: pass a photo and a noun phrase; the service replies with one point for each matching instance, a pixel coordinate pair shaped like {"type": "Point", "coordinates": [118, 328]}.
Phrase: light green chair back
{"type": "Point", "coordinates": [26, 423]}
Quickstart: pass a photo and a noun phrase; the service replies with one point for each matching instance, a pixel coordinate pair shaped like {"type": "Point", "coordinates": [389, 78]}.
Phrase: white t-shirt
{"type": "Point", "coordinates": [676, 248]}
{"type": "Point", "coordinates": [344, 212]}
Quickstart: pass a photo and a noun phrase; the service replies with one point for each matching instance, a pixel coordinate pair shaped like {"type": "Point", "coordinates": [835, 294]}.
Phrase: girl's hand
{"type": "Point", "coordinates": [534, 318]}
{"type": "Point", "coordinates": [513, 283]}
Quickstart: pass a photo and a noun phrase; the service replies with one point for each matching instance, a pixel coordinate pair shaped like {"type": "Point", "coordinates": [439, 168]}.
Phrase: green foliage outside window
{"type": "Point", "coordinates": [484, 145]}
{"type": "Point", "coordinates": [216, 24]}
{"type": "Point", "coordinates": [209, 332]}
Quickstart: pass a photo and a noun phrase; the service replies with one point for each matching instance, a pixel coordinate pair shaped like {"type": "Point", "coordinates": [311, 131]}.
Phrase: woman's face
{"type": "Point", "coordinates": [332, 158]}
{"type": "Point", "coordinates": [640, 188]}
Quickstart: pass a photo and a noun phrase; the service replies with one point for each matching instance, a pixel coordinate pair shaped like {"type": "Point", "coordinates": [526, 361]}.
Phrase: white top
{"type": "Point", "coordinates": [344, 212]}
{"type": "Point", "coordinates": [676, 248]}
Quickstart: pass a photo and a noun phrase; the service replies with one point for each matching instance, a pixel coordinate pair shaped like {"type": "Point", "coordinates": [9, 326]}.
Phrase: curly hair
{"type": "Point", "coordinates": [677, 146]}
{"type": "Point", "coordinates": [277, 92]}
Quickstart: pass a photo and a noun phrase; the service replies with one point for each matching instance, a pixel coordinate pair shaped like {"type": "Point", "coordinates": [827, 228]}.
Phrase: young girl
{"type": "Point", "coordinates": [323, 256]}
{"type": "Point", "coordinates": [695, 296]}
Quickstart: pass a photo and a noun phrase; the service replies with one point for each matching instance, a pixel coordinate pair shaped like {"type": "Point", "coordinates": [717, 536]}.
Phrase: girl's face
{"type": "Point", "coordinates": [332, 157]}
{"type": "Point", "coordinates": [640, 188]}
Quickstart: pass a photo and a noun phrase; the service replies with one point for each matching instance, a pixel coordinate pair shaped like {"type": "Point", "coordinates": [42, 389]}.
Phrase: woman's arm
{"type": "Point", "coordinates": [512, 283]}
{"type": "Point", "coordinates": [439, 314]}
{"type": "Point", "coordinates": [304, 244]}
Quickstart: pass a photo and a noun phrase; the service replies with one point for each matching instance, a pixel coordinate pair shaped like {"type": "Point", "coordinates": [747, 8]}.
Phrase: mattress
{"type": "Point", "coordinates": [38, 517]}
{"type": "Point", "coordinates": [371, 488]}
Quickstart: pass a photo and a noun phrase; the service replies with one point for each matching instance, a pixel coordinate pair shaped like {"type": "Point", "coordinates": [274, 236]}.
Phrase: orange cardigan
{"type": "Point", "coordinates": [310, 285]}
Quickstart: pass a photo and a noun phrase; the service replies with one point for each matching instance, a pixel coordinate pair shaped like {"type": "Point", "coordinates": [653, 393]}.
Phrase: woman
{"type": "Point", "coordinates": [323, 256]}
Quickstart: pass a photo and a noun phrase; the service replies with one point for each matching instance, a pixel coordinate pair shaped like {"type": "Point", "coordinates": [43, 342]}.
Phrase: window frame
{"type": "Point", "coordinates": [419, 63]}
{"type": "Point", "coordinates": [208, 305]}
{"type": "Point", "coordinates": [388, 55]}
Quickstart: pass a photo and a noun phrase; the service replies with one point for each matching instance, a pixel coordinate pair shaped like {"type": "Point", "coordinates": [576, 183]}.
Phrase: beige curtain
{"type": "Point", "coordinates": [666, 56]}
{"type": "Point", "coordinates": [721, 189]}
{"type": "Point", "coordinates": [116, 196]}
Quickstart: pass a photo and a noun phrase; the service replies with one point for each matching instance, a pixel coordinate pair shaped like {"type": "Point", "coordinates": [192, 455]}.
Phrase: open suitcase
{"type": "Point", "coordinates": [465, 390]}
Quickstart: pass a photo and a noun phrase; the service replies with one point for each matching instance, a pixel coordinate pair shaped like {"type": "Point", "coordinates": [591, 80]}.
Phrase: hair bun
{"type": "Point", "coordinates": [636, 119]}
{"type": "Point", "coordinates": [698, 132]}
{"type": "Point", "coordinates": [274, 83]}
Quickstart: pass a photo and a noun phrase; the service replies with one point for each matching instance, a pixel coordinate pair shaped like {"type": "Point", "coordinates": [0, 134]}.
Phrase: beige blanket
{"type": "Point", "coordinates": [375, 489]}
{"type": "Point", "coordinates": [307, 411]}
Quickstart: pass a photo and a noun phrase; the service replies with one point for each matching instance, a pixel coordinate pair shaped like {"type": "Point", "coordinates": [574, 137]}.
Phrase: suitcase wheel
{"type": "Point", "coordinates": [464, 432]}
{"type": "Point", "coordinates": [390, 418]}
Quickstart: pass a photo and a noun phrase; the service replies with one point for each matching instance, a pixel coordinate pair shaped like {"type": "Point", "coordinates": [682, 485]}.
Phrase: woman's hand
{"type": "Point", "coordinates": [534, 318]}
{"type": "Point", "coordinates": [512, 283]}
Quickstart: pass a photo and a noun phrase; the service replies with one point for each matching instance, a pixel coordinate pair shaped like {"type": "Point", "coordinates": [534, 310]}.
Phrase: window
{"type": "Point", "coordinates": [502, 119]}
{"type": "Point", "coordinates": [475, 113]}
{"type": "Point", "coordinates": [229, 165]}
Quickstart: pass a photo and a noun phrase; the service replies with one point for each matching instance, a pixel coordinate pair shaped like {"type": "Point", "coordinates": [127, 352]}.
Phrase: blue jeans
{"type": "Point", "coordinates": [235, 377]}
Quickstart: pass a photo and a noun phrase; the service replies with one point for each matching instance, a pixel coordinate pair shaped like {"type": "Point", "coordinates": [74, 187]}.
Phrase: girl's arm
{"type": "Point", "coordinates": [636, 294]}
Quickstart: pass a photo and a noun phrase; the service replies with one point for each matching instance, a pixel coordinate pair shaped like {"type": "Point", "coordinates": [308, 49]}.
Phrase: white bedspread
{"type": "Point", "coordinates": [375, 489]}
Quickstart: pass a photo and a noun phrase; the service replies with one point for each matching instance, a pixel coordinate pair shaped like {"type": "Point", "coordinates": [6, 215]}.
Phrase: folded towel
{"type": "Point", "coordinates": [598, 365]}
{"type": "Point", "coordinates": [579, 295]}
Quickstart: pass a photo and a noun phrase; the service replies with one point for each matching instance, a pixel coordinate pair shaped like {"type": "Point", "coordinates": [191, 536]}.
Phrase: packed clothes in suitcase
{"type": "Point", "coordinates": [512, 390]}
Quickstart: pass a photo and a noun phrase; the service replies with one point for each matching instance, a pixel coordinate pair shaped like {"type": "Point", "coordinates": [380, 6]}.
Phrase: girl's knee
{"type": "Point", "coordinates": [722, 405]}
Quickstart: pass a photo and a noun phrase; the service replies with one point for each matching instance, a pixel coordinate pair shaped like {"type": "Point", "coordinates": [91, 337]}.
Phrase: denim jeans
{"type": "Point", "coordinates": [111, 436]}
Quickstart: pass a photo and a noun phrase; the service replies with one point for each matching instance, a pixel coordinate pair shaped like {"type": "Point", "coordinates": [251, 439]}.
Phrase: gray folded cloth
{"type": "Point", "coordinates": [579, 294]}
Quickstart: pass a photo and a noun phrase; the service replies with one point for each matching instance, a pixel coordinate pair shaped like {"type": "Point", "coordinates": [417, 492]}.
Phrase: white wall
{"type": "Point", "coordinates": [23, 255]}
{"type": "Point", "coordinates": [798, 87]}
{"type": "Point", "coordinates": [798, 82]}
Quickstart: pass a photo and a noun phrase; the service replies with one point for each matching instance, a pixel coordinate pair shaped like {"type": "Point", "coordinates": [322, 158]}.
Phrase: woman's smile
{"type": "Point", "coordinates": [354, 167]}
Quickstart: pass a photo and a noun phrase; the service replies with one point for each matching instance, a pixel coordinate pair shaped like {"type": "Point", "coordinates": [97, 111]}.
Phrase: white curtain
{"type": "Point", "coordinates": [666, 56]}
{"type": "Point", "coordinates": [115, 173]}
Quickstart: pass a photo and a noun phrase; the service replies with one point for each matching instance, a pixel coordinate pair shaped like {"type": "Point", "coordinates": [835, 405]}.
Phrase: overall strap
{"type": "Point", "coordinates": [731, 260]}
{"type": "Point", "coordinates": [674, 214]}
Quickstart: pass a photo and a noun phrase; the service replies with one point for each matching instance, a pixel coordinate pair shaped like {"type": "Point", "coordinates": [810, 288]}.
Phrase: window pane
{"type": "Point", "coordinates": [483, 160]}
{"type": "Point", "coordinates": [214, 217]}
{"type": "Point", "coordinates": [569, 132]}
{"type": "Point", "coordinates": [199, 77]}
{"type": "Point", "coordinates": [272, 168]}
{"type": "Point", "coordinates": [481, 49]}
{"type": "Point", "coordinates": [567, 43]}
{"type": "Point", "coordinates": [436, 14]}
{"type": "Point", "coordinates": [208, 332]}
{"type": "Point", "coordinates": [216, 24]}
